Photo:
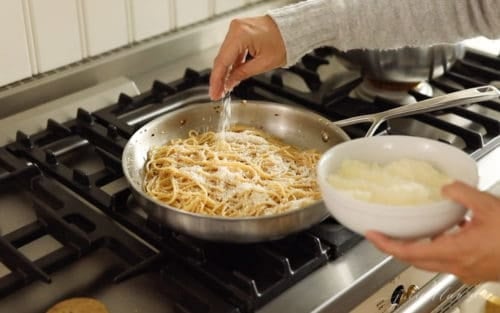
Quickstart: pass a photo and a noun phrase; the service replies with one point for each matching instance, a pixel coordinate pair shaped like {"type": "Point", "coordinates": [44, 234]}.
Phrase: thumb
{"type": "Point", "coordinates": [467, 196]}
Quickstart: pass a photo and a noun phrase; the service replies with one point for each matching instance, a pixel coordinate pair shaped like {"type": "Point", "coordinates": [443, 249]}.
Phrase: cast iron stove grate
{"type": "Point", "coordinates": [61, 215]}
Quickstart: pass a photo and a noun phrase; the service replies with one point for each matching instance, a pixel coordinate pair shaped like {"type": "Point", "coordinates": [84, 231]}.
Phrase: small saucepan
{"type": "Point", "coordinates": [293, 124]}
{"type": "Point", "coordinates": [403, 65]}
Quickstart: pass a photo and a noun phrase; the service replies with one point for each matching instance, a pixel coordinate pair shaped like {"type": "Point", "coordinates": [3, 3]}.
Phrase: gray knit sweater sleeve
{"type": "Point", "coordinates": [383, 24]}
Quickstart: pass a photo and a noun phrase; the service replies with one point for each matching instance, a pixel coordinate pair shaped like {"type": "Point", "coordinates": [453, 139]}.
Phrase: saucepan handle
{"type": "Point", "coordinates": [466, 96]}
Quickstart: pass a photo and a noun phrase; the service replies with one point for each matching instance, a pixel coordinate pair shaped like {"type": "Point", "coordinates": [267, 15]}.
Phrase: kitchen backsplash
{"type": "Point", "coordinates": [41, 35]}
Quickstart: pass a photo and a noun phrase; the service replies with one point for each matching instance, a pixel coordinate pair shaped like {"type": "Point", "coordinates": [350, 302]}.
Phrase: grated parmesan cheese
{"type": "Point", "coordinates": [402, 182]}
{"type": "Point", "coordinates": [240, 173]}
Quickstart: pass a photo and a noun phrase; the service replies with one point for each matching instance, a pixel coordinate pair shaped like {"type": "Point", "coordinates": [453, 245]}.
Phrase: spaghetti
{"type": "Point", "coordinates": [244, 173]}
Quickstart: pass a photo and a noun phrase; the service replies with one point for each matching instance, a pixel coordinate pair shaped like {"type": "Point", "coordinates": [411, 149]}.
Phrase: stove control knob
{"type": "Point", "coordinates": [397, 294]}
{"type": "Point", "coordinates": [492, 303]}
{"type": "Point", "coordinates": [410, 292]}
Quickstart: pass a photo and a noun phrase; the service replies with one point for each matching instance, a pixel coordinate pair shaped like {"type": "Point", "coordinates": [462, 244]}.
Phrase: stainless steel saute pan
{"type": "Point", "coordinates": [294, 125]}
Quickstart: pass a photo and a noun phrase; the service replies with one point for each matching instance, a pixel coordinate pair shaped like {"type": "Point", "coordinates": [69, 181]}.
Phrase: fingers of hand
{"type": "Point", "coordinates": [225, 60]}
{"type": "Point", "coordinates": [432, 266]}
{"type": "Point", "coordinates": [426, 255]}
{"type": "Point", "coordinates": [386, 244]}
{"type": "Point", "coordinates": [468, 251]}
{"type": "Point", "coordinates": [217, 82]}
{"type": "Point", "coordinates": [470, 197]}
{"type": "Point", "coordinates": [261, 38]}
{"type": "Point", "coordinates": [231, 55]}
{"type": "Point", "coordinates": [414, 250]}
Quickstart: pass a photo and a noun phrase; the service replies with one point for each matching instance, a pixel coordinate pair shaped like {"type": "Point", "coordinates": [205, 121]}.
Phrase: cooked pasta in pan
{"type": "Point", "coordinates": [238, 173]}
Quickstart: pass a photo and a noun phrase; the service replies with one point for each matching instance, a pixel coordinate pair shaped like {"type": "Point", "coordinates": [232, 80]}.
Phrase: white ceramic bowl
{"type": "Point", "coordinates": [404, 222]}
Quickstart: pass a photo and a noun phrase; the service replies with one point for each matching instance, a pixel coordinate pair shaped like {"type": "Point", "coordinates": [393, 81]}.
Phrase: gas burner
{"type": "Point", "coordinates": [397, 92]}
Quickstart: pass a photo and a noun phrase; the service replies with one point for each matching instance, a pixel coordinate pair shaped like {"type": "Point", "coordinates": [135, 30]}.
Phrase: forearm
{"type": "Point", "coordinates": [383, 24]}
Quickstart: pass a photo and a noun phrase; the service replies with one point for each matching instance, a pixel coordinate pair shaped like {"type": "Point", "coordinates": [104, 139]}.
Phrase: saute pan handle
{"type": "Point", "coordinates": [466, 96]}
{"type": "Point", "coordinates": [461, 97]}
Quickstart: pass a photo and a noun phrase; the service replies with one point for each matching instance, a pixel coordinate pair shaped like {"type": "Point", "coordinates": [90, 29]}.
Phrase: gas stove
{"type": "Point", "coordinates": [71, 172]}
{"type": "Point", "coordinates": [70, 227]}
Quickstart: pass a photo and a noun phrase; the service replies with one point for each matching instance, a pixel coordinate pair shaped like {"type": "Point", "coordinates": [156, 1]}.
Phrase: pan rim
{"type": "Point", "coordinates": [150, 124]}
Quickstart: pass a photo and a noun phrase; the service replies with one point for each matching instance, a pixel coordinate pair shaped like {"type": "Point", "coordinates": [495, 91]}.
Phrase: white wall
{"type": "Point", "coordinates": [15, 61]}
{"type": "Point", "coordinates": [42, 35]}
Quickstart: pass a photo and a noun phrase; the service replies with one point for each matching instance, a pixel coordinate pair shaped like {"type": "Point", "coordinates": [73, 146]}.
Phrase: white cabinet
{"type": "Point", "coordinates": [56, 34]}
{"type": "Point", "coordinates": [222, 6]}
{"type": "Point", "coordinates": [150, 17]}
{"type": "Point", "coordinates": [14, 55]}
{"type": "Point", "coordinates": [191, 11]}
{"type": "Point", "coordinates": [105, 25]}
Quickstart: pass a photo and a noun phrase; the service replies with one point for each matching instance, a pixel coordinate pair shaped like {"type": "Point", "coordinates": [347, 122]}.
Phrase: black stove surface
{"type": "Point", "coordinates": [70, 174]}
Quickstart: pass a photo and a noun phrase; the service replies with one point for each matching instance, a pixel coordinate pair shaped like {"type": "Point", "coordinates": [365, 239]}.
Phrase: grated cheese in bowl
{"type": "Point", "coordinates": [400, 182]}
{"type": "Point", "coordinates": [392, 184]}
